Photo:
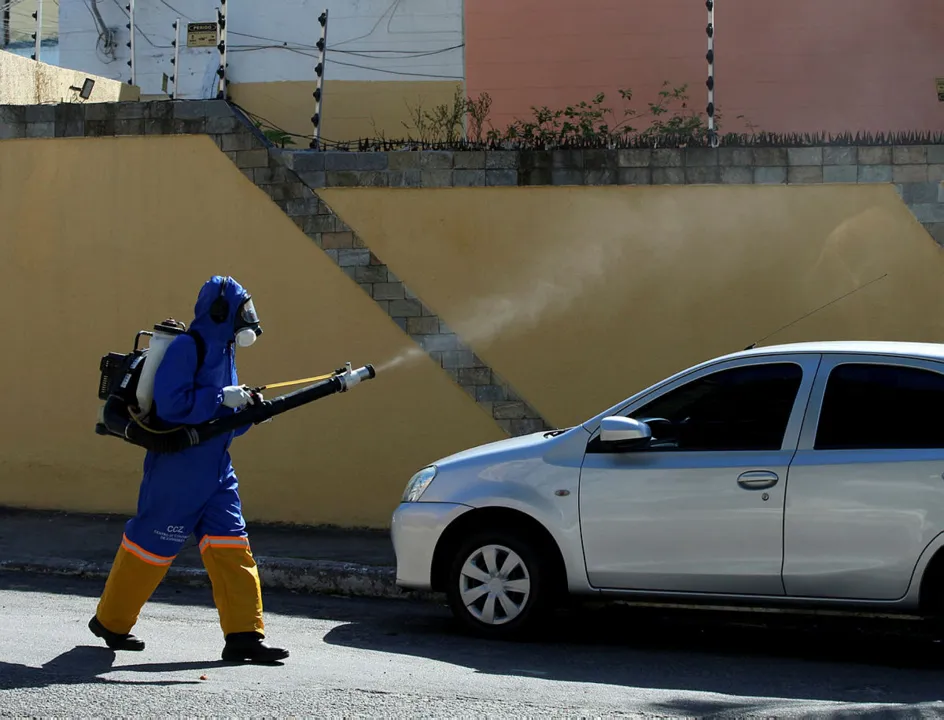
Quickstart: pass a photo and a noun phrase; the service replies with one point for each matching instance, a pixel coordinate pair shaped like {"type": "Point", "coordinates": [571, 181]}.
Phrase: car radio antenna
{"type": "Point", "coordinates": [813, 312]}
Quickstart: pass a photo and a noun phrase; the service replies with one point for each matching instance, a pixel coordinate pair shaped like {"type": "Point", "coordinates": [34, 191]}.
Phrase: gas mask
{"type": "Point", "coordinates": [247, 324]}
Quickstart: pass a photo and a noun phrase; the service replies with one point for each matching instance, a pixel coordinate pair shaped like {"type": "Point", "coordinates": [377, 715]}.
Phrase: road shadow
{"type": "Point", "coordinates": [728, 654]}
{"type": "Point", "coordinates": [84, 665]}
{"type": "Point", "coordinates": [742, 655]}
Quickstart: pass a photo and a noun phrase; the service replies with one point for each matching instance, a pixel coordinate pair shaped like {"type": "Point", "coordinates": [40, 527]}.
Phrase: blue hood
{"type": "Point", "coordinates": [218, 335]}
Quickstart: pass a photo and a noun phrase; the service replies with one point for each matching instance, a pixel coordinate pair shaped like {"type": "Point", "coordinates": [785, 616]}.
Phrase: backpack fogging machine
{"type": "Point", "coordinates": [127, 388]}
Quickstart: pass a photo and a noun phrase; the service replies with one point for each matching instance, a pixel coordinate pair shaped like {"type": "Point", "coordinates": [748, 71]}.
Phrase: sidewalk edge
{"type": "Point", "coordinates": [301, 576]}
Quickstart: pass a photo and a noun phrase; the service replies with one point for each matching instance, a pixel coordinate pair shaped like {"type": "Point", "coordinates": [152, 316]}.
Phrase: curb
{"type": "Point", "coordinates": [299, 576]}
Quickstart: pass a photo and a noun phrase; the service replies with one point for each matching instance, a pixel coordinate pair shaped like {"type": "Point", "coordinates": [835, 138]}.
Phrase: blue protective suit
{"type": "Point", "coordinates": [194, 491]}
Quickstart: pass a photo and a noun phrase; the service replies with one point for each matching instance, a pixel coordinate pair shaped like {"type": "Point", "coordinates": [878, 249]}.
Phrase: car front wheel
{"type": "Point", "coordinates": [498, 586]}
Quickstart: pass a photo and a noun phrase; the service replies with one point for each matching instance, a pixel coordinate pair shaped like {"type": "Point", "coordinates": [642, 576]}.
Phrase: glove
{"type": "Point", "coordinates": [257, 398]}
{"type": "Point", "coordinates": [236, 397]}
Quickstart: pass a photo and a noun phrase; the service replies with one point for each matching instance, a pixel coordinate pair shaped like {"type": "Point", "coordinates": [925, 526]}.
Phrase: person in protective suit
{"type": "Point", "coordinates": [194, 491]}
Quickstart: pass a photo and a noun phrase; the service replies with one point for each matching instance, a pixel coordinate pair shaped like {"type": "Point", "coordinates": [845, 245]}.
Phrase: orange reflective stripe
{"type": "Point", "coordinates": [142, 554]}
{"type": "Point", "coordinates": [223, 542]}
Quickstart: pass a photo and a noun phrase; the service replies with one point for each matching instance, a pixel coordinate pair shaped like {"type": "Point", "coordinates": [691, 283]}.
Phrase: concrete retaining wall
{"type": "Point", "coordinates": [664, 245]}
{"type": "Point", "coordinates": [916, 170]}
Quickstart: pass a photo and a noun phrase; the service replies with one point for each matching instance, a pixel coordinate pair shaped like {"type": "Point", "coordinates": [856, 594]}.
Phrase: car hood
{"type": "Point", "coordinates": [535, 443]}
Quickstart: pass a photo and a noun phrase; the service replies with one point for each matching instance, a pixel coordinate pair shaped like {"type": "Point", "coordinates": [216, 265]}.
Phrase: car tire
{"type": "Point", "coordinates": [498, 586]}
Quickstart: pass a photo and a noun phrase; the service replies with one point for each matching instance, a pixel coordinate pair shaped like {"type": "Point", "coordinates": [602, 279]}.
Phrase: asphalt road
{"type": "Point", "coordinates": [355, 658]}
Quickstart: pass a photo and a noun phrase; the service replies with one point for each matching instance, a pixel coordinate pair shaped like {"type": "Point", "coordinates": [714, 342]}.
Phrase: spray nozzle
{"type": "Point", "coordinates": [351, 377]}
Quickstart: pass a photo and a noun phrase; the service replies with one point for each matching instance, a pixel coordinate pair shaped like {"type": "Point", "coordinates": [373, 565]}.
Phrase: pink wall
{"type": "Point", "coordinates": [802, 65]}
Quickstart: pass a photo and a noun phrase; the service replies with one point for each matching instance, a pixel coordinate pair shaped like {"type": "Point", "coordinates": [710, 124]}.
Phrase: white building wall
{"type": "Point", "coordinates": [48, 53]}
{"type": "Point", "coordinates": [270, 40]}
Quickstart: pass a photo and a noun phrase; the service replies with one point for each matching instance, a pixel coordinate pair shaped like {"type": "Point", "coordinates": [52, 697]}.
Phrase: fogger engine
{"type": "Point", "coordinates": [127, 389]}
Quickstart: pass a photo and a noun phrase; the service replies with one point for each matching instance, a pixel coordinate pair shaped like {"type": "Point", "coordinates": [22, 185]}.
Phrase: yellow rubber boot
{"type": "Point", "coordinates": [130, 584]}
{"type": "Point", "coordinates": [237, 592]}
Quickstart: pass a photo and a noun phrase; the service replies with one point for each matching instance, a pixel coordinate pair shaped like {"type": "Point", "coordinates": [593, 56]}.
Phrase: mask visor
{"type": "Point", "coordinates": [247, 315]}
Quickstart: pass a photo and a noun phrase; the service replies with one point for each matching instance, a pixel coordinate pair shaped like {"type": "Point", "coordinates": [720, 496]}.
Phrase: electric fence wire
{"type": "Point", "coordinates": [336, 47]}
{"type": "Point", "coordinates": [369, 53]}
{"type": "Point", "coordinates": [140, 32]}
{"type": "Point", "coordinates": [307, 49]}
{"type": "Point", "coordinates": [258, 119]}
{"type": "Point", "coordinates": [364, 52]}
{"type": "Point", "coordinates": [47, 21]}
{"type": "Point", "coordinates": [15, 36]}
{"type": "Point", "coordinates": [251, 48]}
{"type": "Point", "coordinates": [107, 45]}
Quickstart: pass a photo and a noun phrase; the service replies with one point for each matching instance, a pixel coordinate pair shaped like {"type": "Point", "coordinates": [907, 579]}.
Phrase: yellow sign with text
{"type": "Point", "coordinates": [201, 34]}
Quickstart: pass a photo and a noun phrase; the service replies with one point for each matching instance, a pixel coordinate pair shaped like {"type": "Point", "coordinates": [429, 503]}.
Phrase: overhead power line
{"type": "Point", "coordinates": [251, 48]}
{"type": "Point", "coordinates": [395, 72]}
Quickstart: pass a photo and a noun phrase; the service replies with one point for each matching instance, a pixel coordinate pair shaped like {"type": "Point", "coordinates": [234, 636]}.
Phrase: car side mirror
{"type": "Point", "coordinates": [621, 433]}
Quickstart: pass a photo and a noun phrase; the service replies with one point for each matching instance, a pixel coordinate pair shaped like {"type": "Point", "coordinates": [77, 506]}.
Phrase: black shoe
{"type": "Point", "coordinates": [114, 640]}
{"type": "Point", "coordinates": [249, 646]}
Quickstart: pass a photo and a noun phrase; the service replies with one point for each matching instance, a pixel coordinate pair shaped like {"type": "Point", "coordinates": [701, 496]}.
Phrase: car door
{"type": "Point", "coordinates": [701, 508]}
{"type": "Point", "coordinates": [866, 493]}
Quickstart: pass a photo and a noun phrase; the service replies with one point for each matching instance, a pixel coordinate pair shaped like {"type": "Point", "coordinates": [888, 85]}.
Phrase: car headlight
{"type": "Point", "coordinates": [418, 484]}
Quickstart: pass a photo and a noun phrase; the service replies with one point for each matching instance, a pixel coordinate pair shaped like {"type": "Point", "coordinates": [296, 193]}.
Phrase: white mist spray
{"type": "Point", "coordinates": [655, 230]}
{"type": "Point", "coordinates": [556, 279]}
{"type": "Point", "coordinates": [407, 357]}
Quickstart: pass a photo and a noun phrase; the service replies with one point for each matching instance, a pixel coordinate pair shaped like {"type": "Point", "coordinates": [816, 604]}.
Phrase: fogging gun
{"type": "Point", "coordinates": [117, 418]}
{"type": "Point", "coordinates": [346, 370]}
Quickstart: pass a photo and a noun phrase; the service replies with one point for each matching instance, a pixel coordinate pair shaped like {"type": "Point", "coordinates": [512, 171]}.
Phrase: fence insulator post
{"type": "Point", "coordinates": [319, 82]}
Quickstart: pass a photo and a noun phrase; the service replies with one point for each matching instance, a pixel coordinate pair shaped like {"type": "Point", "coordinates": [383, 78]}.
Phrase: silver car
{"type": "Point", "coordinates": [800, 476]}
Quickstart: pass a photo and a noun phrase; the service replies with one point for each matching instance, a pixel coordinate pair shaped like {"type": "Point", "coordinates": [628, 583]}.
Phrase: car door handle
{"type": "Point", "coordinates": [758, 480]}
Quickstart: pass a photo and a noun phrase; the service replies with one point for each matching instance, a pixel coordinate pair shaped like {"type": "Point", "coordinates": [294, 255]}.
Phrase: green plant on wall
{"type": "Point", "coordinates": [591, 122]}
{"type": "Point", "coordinates": [274, 135]}
{"type": "Point", "coordinates": [597, 123]}
{"type": "Point", "coordinates": [671, 115]}
{"type": "Point", "coordinates": [546, 127]}
{"type": "Point", "coordinates": [441, 124]}
{"type": "Point", "coordinates": [477, 111]}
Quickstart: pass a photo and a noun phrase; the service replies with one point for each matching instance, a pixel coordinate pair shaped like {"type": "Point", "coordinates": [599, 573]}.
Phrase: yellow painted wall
{"type": "Point", "coordinates": [352, 109]}
{"type": "Point", "coordinates": [578, 296]}
{"type": "Point", "coordinates": [582, 296]}
{"type": "Point", "coordinates": [139, 224]}
{"type": "Point", "coordinates": [27, 82]}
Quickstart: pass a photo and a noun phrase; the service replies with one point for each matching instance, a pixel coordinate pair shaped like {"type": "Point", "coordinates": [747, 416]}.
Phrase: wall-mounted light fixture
{"type": "Point", "coordinates": [85, 92]}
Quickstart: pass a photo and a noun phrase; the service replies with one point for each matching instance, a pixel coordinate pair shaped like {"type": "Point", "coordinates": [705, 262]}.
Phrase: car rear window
{"type": "Point", "coordinates": [875, 406]}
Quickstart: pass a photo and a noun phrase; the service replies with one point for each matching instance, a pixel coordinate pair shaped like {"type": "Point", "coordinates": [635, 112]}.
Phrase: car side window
{"type": "Point", "coordinates": [873, 406]}
{"type": "Point", "coordinates": [745, 408]}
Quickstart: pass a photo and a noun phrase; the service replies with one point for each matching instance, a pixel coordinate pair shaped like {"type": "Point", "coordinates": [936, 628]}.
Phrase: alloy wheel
{"type": "Point", "coordinates": [494, 584]}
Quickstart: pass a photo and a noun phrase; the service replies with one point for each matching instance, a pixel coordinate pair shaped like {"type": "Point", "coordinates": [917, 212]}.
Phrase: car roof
{"type": "Point", "coordinates": [934, 351]}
